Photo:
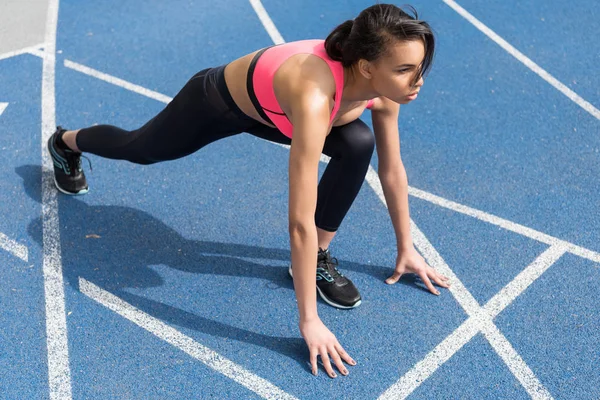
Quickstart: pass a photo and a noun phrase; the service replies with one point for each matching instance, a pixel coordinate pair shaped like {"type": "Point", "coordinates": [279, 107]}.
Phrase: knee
{"type": "Point", "coordinates": [144, 161]}
{"type": "Point", "coordinates": [360, 142]}
{"type": "Point", "coordinates": [141, 159]}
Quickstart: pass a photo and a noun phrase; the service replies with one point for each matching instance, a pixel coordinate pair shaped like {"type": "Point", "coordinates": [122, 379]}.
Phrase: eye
{"type": "Point", "coordinates": [402, 71]}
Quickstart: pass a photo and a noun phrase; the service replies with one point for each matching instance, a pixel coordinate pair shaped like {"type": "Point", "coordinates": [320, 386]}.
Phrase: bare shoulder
{"type": "Point", "coordinates": [304, 78]}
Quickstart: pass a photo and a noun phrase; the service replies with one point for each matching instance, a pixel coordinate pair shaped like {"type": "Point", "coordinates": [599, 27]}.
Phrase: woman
{"type": "Point", "coordinates": [308, 94]}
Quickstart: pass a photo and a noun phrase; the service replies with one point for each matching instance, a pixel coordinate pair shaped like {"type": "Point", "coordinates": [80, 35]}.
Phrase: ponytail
{"type": "Point", "coordinates": [334, 44]}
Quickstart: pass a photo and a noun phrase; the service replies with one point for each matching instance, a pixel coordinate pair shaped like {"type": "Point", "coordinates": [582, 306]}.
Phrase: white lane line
{"type": "Point", "coordinates": [113, 80]}
{"type": "Point", "coordinates": [523, 280]}
{"type": "Point", "coordinates": [14, 53]}
{"type": "Point", "coordinates": [36, 52]}
{"type": "Point", "coordinates": [525, 60]}
{"type": "Point", "coordinates": [14, 248]}
{"type": "Point", "coordinates": [118, 82]}
{"type": "Point", "coordinates": [59, 373]}
{"type": "Point", "coordinates": [514, 362]}
{"type": "Point", "coordinates": [503, 223]}
{"type": "Point", "coordinates": [267, 22]}
{"type": "Point", "coordinates": [480, 320]}
{"type": "Point", "coordinates": [3, 107]}
{"type": "Point", "coordinates": [186, 344]}
{"type": "Point", "coordinates": [432, 361]}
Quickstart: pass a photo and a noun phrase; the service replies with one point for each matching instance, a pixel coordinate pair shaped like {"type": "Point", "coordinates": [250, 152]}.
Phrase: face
{"type": "Point", "coordinates": [393, 75]}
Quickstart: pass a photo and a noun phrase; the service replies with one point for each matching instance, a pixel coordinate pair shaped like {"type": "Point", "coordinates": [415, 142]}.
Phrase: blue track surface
{"type": "Point", "coordinates": [201, 243]}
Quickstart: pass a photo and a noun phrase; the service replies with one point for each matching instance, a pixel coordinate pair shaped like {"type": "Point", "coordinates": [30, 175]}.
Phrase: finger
{"type": "Point", "coordinates": [394, 278]}
{"type": "Point", "coordinates": [313, 361]}
{"type": "Point", "coordinates": [337, 360]}
{"type": "Point", "coordinates": [428, 283]}
{"type": "Point", "coordinates": [438, 280]}
{"type": "Point", "coordinates": [326, 363]}
{"type": "Point", "coordinates": [444, 278]}
{"type": "Point", "coordinates": [345, 356]}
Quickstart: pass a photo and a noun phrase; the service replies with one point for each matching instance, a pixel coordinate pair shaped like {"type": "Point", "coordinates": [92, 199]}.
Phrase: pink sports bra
{"type": "Point", "coordinates": [262, 70]}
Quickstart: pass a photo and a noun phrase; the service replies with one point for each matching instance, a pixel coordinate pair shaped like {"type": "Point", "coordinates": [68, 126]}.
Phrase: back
{"type": "Point", "coordinates": [262, 71]}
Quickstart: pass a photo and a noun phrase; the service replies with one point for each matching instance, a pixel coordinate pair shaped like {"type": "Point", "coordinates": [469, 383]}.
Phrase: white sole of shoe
{"type": "Point", "coordinates": [81, 192]}
{"type": "Point", "coordinates": [326, 300]}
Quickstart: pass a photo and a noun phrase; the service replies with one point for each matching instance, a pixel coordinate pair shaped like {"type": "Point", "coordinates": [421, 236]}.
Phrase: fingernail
{"type": "Point", "coordinates": [333, 375]}
{"type": "Point", "coordinates": [345, 372]}
{"type": "Point", "coordinates": [438, 293]}
{"type": "Point", "coordinates": [353, 362]}
{"type": "Point", "coordinates": [314, 373]}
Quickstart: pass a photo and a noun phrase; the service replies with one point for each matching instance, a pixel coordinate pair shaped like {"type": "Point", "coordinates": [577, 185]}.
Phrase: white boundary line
{"type": "Point", "coordinates": [480, 320]}
{"type": "Point", "coordinates": [503, 223]}
{"type": "Point", "coordinates": [59, 373]}
{"type": "Point", "coordinates": [20, 51]}
{"type": "Point", "coordinates": [36, 52]}
{"type": "Point", "coordinates": [3, 107]}
{"type": "Point", "coordinates": [525, 60]}
{"type": "Point", "coordinates": [118, 82]}
{"type": "Point", "coordinates": [14, 248]}
{"type": "Point", "coordinates": [267, 22]}
{"type": "Point", "coordinates": [184, 343]}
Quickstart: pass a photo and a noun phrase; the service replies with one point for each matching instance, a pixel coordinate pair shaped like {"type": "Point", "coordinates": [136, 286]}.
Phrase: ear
{"type": "Point", "coordinates": [364, 67]}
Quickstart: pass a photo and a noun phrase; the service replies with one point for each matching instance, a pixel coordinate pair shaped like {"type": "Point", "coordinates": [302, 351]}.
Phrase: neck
{"type": "Point", "coordinates": [356, 86]}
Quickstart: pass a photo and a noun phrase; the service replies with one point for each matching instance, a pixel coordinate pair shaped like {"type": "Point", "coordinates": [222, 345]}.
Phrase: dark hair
{"type": "Point", "coordinates": [369, 34]}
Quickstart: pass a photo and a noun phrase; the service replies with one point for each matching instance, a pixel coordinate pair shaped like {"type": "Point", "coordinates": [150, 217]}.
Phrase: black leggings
{"type": "Point", "coordinates": [204, 111]}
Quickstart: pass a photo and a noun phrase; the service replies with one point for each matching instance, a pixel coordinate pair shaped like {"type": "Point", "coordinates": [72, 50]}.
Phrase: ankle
{"type": "Point", "coordinates": [66, 141]}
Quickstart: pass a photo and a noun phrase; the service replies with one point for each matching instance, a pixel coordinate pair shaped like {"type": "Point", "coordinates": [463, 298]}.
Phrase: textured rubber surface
{"type": "Point", "coordinates": [202, 243]}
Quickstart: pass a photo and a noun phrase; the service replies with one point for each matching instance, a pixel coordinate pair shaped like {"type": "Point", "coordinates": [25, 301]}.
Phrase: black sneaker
{"type": "Point", "coordinates": [333, 287]}
{"type": "Point", "coordinates": [68, 175]}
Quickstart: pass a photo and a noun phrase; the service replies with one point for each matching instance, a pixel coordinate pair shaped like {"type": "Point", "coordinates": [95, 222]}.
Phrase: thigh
{"type": "Point", "coordinates": [196, 117]}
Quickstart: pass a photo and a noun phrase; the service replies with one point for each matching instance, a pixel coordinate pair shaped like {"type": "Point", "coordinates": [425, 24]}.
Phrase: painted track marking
{"type": "Point", "coordinates": [59, 372]}
{"type": "Point", "coordinates": [239, 374]}
{"type": "Point", "coordinates": [14, 248]}
{"type": "Point", "coordinates": [542, 73]}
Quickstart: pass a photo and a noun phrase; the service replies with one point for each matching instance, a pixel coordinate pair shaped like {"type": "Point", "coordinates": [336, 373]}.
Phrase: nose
{"type": "Point", "coordinates": [419, 83]}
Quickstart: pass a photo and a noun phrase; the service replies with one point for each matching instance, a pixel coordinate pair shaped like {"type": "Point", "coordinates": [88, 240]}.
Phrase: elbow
{"type": "Point", "coordinates": [301, 230]}
{"type": "Point", "coordinates": [395, 176]}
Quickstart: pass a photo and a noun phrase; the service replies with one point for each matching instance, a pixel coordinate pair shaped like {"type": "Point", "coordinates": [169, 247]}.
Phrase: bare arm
{"type": "Point", "coordinates": [310, 117]}
{"type": "Point", "coordinates": [395, 189]}
{"type": "Point", "coordinates": [310, 113]}
{"type": "Point", "coordinates": [391, 169]}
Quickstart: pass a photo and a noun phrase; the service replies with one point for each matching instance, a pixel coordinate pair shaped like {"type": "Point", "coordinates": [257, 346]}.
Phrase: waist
{"type": "Point", "coordinates": [218, 80]}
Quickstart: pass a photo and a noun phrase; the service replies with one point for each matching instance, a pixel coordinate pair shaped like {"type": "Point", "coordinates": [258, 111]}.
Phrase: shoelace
{"type": "Point", "coordinates": [329, 264]}
{"type": "Point", "coordinates": [74, 162]}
